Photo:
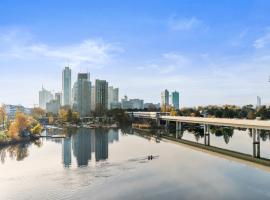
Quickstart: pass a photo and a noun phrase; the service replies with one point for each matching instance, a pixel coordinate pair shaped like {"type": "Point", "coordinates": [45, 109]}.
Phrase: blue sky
{"type": "Point", "coordinates": [213, 52]}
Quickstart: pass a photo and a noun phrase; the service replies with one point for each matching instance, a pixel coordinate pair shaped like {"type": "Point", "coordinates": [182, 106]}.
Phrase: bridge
{"type": "Point", "coordinates": [255, 125]}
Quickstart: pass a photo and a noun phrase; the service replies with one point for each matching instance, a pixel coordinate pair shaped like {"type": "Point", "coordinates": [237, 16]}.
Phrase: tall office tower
{"type": "Point", "coordinates": [116, 95]}
{"type": "Point", "coordinates": [259, 102]}
{"type": "Point", "coordinates": [93, 98]}
{"type": "Point", "coordinates": [74, 96]}
{"type": "Point", "coordinates": [110, 96]}
{"type": "Point", "coordinates": [58, 97]}
{"type": "Point", "coordinates": [84, 94]}
{"type": "Point", "coordinates": [165, 98]}
{"type": "Point", "coordinates": [101, 96]}
{"type": "Point", "coordinates": [175, 100]}
{"type": "Point", "coordinates": [113, 97]}
{"type": "Point", "coordinates": [45, 96]}
{"type": "Point", "coordinates": [66, 86]}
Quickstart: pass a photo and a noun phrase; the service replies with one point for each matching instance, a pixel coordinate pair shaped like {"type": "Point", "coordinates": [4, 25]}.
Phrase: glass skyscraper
{"type": "Point", "coordinates": [175, 100]}
{"type": "Point", "coordinates": [66, 86]}
{"type": "Point", "coordinates": [165, 96]}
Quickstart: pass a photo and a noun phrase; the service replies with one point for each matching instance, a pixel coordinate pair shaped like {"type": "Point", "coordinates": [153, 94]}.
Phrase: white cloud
{"type": "Point", "coordinates": [89, 53]}
{"type": "Point", "coordinates": [205, 79]}
{"type": "Point", "coordinates": [26, 63]}
{"type": "Point", "coordinates": [167, 63]}
{"type": "Point", "coordinates": [185, 24]}
{"type": "Point", "coordinates": [262, 41]}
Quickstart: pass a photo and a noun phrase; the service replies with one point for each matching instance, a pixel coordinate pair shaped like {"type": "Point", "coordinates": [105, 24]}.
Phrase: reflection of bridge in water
{"type": "Point", "coordinates": [88, 144]}
{"type": "Point", "coordinates": [162, 119]}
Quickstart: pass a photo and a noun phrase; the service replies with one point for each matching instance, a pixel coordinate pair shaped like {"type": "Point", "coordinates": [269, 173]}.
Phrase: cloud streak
{"type": "Point", "coordinates": [185, 24]}
{"type": "Point", "coordinates": [263, 41]}
{"type": "Point", "coordinates": [89, 53]}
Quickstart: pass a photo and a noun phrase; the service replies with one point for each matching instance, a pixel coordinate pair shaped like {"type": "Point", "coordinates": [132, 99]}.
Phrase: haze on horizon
{"type": "Point", "coordinates": [213, 52]}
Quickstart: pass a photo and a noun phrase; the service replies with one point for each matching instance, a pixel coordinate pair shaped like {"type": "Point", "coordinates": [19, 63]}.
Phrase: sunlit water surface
{"type": "Point", "coordinates": [108, 164]}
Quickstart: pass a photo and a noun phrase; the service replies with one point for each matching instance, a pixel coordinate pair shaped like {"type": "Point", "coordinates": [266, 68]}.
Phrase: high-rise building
{"type": "Point", "coordinates": [259, 102]}
{"type": "Point", "coordinates": [66, 86]}
{"type": "Point", "coordinates": [137, 104]}
{"type": "Point", "coordinates": [53, 106]}
{"type": "Point", "coordinates": [83, 94]}
{"type": "Point", "coordinates": [45, 96]}
{"type": "Point", "coordinates": [165, 98]}
{"type": "Point", "coordinates": [132, 103]}
{"type": "Point", "coordinates": [101, 96]}
{"type": "Point", "coordinates": [58, 97]}
{"type": "Point", "coordinates": [175, 100]}
{"type": "Point", "coordinates": [113, 97]}
{"type": "Point", "coordinates": [116, 95]}
{"type": "Point", "coordinates": [126, 104]}
{"type": "Point", "coordinates": [93, 98]}
{"type": "Point", "coordinates": [110, 96]}
{"type": "Point", "coordinates": [74, 96]}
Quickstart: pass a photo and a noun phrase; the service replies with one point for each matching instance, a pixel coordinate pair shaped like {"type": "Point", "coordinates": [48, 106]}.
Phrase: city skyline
{"type": "Point", "coordinates": [160, 46]}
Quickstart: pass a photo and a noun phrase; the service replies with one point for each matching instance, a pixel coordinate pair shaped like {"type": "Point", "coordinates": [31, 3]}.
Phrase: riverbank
{"type": "Point", "coordinates": [84, 125]}
{"type": "Point", "coordinates": [8, 142]}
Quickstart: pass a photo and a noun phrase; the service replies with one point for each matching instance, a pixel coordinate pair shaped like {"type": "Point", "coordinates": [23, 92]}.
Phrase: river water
{"type": "Point", "coordinates": [113, 164]}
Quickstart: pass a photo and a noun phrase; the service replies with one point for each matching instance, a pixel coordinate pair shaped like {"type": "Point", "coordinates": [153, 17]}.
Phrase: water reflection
{"type": "Point", "coordinates": [66, 153]}
{"type": "Point", "coordinates": [18, 152]}
{"type": "Point", "coordinates": [87, 145]}
{"type": "Point", "coordinates": [226, 132]}
{"type": "Point", "coordinates": [235, 139]}
{"type": "Point", "coordinates": [82, 144]}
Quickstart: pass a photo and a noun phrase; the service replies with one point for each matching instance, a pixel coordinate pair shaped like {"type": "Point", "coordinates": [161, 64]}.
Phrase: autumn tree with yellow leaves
{"type": "Point", "coordinates": [3, 116]}
{"type": "Point", "coordinates": [22, 123]}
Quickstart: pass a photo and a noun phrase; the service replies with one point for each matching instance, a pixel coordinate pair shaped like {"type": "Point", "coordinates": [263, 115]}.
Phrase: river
{"type": "Point", "coordinates": [113, 164]}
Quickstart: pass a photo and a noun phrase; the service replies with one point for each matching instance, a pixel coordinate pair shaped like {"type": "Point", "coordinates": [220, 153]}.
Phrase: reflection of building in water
{"type": "Point", "coordinates": [66, 152]}
{"type": "Point", "coordinates": [81, 145]}
{"type": "Point", "coordinates": [101, 145]}
{"type": "Point", "coordinates": [113, 135]}
{"type": "Point", "coordinates": [88, 144]}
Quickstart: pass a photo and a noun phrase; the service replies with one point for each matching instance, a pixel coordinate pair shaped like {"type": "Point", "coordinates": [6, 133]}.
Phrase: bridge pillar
{"type": "Point", "coordinates": [167, 124]}
{"type": "Point", "coordinates": [158, 120]}
{"type": "Point", "coordinates": [256, 143]}
{"type": "Point", "coordinates": [206, 135]}
{"type": "Point", "coordinates": [178, 126]}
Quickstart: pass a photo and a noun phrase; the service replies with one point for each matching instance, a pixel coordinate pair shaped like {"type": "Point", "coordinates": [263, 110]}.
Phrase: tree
{"type": "Point", "coordinates": [37, 113]}
{"type": "Point", "coordinates": [173, 111]}
{"type": "Point", "coordinates": [21, 124]}
{"type": "Point", "coordinates": [251, 114]}
{"type": "Point", "coordinates": [3, 115]}
{"type": "Point", "coordinates": [75, 117]}
{"type": "Point", "coordinates": [63, 115]}
{"type": "Point", "coordinates": [13, 131]}
{"type": "Point", "coordinates": [22, 121]}
{"type": "Point", "coordinates": [50, 119]}
{"type": "Point", "coordinates": [69, 115]}
{"type": "Point", "coordinates": [37, 129]}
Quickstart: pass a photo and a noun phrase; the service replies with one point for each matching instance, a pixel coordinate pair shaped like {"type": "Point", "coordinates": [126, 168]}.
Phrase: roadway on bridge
{"type": "Point", "coordinates": [241, 123]}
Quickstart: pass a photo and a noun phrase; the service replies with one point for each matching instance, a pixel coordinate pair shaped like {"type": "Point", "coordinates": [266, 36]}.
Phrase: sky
{"type": "Point", "coordinates": [212, 52]}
